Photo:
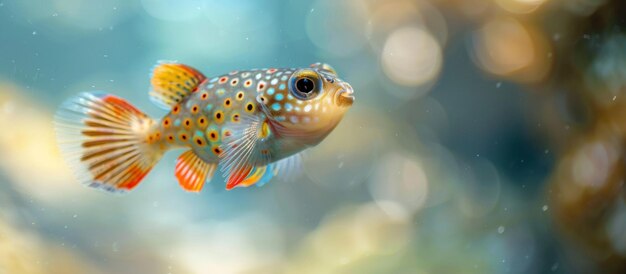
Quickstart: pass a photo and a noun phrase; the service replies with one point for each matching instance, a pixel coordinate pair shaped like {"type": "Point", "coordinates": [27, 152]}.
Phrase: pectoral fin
{"type": "Point", "coordinates": [245, 149]}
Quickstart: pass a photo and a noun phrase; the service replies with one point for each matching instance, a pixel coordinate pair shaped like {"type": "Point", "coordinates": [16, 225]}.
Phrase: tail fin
{"type": "Point", "coordinates": [105, 141]}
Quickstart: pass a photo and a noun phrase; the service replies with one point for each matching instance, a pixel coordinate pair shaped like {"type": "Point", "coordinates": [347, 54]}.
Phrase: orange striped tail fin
{"type": "Point", "coordinates": [105, 141]}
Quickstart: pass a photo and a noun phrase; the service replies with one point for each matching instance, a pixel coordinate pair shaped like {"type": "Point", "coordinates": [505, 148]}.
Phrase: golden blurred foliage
{"type": "Point", "coordinates": [31, 146]}
{"type": "Point", "coordinates": [21, 251]}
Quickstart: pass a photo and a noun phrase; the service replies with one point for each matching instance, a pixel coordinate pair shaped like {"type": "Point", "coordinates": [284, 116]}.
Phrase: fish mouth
{"type": "Point", "coordinates": [345, 97]}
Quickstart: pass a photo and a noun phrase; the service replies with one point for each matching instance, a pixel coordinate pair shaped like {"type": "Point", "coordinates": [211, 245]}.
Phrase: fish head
{"type": "Point", "coordinates": [312, 105]}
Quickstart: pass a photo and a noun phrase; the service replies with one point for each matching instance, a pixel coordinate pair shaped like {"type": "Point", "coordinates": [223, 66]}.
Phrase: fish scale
{"type": "Point", "coordinates": [236, 91]}
{"type": "Point", "coordinates": [251, 124]}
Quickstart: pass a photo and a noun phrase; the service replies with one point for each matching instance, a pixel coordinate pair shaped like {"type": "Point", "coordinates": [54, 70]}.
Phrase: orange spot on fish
{"type": "Point", "coordinates": [213, 137]}
{"type": "Point", "coordinates": [202, 121]}
{"type": "Point", "coordinates": [187, 123]}
{"type": "Point", "coordinates": [250, 106]}
{"type": "Point", "coordinates": [198, 140]}
{"type": "Point", "coordinates": [219, 116]}
{"type": "Point", "coordinates": [217, 150]}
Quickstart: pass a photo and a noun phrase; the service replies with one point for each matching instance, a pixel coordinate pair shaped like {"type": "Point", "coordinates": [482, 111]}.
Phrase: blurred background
{"type": "Point", "coordinates": [488, 136]}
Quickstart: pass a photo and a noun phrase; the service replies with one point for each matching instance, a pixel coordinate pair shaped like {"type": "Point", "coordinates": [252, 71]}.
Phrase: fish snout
{"type": "Point", "coordinates": [345, 95]}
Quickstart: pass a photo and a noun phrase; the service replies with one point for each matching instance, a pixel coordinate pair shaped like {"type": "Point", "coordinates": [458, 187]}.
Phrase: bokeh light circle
{"type": "Point", "coordinates": [399, 182]}
{"type": "Point", "coordinates": [411, 57]}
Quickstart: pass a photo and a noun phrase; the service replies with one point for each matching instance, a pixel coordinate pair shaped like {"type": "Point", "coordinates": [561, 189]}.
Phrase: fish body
{"type": "Point", "coordinates": [252, 125]}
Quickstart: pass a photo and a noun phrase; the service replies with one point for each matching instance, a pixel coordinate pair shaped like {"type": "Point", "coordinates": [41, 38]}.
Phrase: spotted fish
{"type": "Point", "coordinates": [250, 125]}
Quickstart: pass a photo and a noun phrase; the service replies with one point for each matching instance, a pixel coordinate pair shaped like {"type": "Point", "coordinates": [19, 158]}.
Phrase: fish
{"type": "Point", "coordinates": [250, 125]}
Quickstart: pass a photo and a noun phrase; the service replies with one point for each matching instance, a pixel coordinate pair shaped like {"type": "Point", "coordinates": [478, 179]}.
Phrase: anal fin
{"type": "Point", "coordinates": [192, 172]}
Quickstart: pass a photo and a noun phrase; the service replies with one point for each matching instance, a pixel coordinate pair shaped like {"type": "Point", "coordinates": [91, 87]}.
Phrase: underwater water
{"type": "Point", "coordinates": [487, 136]}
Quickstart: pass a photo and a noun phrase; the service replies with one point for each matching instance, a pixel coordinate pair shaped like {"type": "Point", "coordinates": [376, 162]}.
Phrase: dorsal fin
{"type": "Point", "coordinates": [172, 82]}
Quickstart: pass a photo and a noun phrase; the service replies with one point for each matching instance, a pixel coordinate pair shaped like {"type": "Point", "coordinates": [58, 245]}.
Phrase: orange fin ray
{"type": "Point", "coordinates": [192, 172]}
{"type": "Point", "coordinates": [103, 139]}
{"type": "Point", "coordinates": [287, 169]}
{"type": "Point", "coordinates": [244, 149]}
{"type": "Point", "coordinates": [238, 176]}
{"type": "Point", "coordinates": [172, 82]}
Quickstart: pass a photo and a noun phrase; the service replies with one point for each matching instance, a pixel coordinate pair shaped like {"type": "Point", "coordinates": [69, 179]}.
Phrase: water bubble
{"type": "Point", "coordinates": [500, 229]}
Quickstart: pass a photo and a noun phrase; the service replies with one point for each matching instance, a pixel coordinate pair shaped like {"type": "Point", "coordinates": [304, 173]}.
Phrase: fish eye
{"type": "Point", "coordinates": [305, 84]}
